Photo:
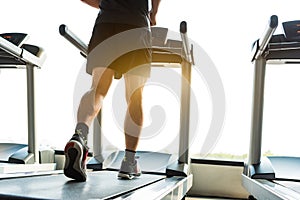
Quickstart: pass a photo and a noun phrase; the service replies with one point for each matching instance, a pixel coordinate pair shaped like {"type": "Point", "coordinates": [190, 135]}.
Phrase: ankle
{"type": "Point", "coordinates": [130, 155]}
{"type": "Point", "coordinates": [82, 129]}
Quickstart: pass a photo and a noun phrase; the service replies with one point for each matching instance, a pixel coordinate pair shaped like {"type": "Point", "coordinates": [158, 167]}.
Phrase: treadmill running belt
{"type": "Point", "coordinates": [99, 185]}
{"type": "Point", "coordinates": [290, 184]}
{"type": "Point", "coordinates": [286, 168]}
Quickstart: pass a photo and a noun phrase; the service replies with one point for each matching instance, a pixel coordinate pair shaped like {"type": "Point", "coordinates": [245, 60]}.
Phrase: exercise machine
{"type": "Point", "coordinates": [15, 54]}
{"type": "Point", "coordinates": [169, 180]}
{"type": "Point", "coordinates": [273, 177]}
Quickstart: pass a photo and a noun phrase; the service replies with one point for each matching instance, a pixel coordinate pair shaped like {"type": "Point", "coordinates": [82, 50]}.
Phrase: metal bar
{"type": "Point", "coordinates": [185, 41]}
{"type": "Point", "coordinates": [185, 97]}
{"type": "Point", "coordinates": [258, 92]}
{"type": "Point", "coordinates": [32, 141]}
{"type": "Point", "coordinates": [257, 111]}
{"type": "Point", "coordinates": [266, 37]}
{"type": "Point", "coordinates": [185, 112]}
{"type": "Point", "coordinates": [71, 37]}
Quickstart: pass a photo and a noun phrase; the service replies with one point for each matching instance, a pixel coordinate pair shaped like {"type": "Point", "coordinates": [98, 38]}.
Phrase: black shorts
{"type": "Point", "coordinates": [138, 59]}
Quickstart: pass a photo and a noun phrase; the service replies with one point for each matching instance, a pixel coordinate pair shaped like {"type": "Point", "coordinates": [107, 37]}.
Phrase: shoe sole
{"type": "Point", "coordinates": [73, 155]}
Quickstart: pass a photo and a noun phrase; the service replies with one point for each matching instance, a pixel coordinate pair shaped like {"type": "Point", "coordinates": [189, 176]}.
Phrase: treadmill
{"type": "Point", "coordinates": [15, 54]}
{"type": "Point", "coordinates": [165, 53]}
{"type": "Point", "coordinates": [164, 179]}
{"type": "Point", "coordinates": [273, 177]}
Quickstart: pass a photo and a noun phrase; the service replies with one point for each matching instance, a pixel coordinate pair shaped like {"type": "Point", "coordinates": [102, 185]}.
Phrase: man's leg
{"type": "Point", "coordinates": [134, 116]}
{"type": "Point", "coordinates": [133, 124]}
{"type": "Point", "coordinates": [91, 102]}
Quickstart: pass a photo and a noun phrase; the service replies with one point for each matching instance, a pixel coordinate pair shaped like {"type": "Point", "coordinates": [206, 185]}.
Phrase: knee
{"type": "Point", "coordinates": [135, 106]}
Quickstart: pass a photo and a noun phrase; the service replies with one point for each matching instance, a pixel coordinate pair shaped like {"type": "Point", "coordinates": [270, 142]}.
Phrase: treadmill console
{"type": "Point", "coordinates": [10, 59]}
{"type": "Point", "coordinates": [292, 30]}
{"type": "Point", "coordinates": [15, 38]}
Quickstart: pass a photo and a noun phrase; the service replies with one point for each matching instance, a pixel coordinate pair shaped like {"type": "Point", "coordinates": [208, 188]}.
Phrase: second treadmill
{"type": "Point", "coordinates": [272, 177]}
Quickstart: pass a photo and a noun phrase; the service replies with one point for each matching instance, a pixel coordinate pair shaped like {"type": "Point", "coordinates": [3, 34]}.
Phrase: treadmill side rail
{"type": "Point", "coordinates": [168, 189]}
{"type": "Point", "coordinates": [266, 190]}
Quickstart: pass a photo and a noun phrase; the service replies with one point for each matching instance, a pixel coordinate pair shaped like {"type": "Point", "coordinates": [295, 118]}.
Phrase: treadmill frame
{"type": "Point", "coordinates": [259, 176]}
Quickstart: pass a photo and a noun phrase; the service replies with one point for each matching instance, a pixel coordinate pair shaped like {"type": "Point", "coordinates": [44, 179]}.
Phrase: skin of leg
{"type": "Point", "coordinates": [133, 123]}
{"type": "Point", "coordinates": [92, 101]}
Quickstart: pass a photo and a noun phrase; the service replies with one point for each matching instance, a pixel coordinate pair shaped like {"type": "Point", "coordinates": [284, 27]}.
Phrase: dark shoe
{"type": "Point", "coordinates": [76, 153]}
{"type": "Point", "coordinates": [129, 170]}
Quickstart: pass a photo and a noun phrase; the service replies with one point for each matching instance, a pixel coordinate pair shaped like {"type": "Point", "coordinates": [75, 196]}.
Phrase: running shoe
{"type": "Point", "coordinates": [129, 170]}
{"type": "Point", "coordinates": [76, 154]}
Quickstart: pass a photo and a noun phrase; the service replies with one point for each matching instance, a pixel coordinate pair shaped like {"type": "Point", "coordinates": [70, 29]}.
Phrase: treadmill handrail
{"type": "Point", "coordinates": [266, 37]}
{"type": "Point", "coordinates": [71, 37]}
{"type": "Point", "coordinates": [22, 53]}
{"type": "Point", "coordinates": [79, 44]}
{"type": "Point", "coordinates": [186, 45]}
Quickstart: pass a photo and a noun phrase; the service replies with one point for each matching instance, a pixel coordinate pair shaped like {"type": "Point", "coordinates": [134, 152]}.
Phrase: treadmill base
{"type": "Point", "coordinates": [99, 185]}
